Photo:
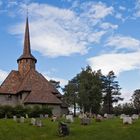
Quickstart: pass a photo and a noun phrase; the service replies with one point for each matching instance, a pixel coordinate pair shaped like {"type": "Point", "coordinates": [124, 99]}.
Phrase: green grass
{"type": "Point", "coordinates": [106, 130]}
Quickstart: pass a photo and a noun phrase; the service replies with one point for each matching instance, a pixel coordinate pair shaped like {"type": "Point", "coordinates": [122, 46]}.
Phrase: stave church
{"type": "Point", "coordinates": [27, 87]}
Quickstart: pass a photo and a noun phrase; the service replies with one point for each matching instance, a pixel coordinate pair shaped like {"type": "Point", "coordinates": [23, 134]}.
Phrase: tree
{"type": "Point", "coordinates": [128, 108]}
{"type": "Point", "coordinates": [111, 92]}
{"type": "Point", "coordinates": [90, 90]}
{"type": "Point", "coordinates": [85, 89]}
{"type": "Point", "coordinates": [136, 100]}
{"type": "Point", "coordinates": [70, 93]}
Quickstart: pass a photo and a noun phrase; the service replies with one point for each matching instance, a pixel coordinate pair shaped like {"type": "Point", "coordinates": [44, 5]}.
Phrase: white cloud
{"type": "Point", "coordinates": [63, 82]}
{"type": "Point", "coordinates": [123, 42]}
{"type": "Point", "coordinates": [119, 16]}
{"type": "Point", "coordinates": [12, 3]}
{"type": "Point", "coordinates": [96, 36]}
{"type": "Point", "coordinates": [107, 25]}
{"type": "Point", "coordinates": [62, 32]}
{"type": "Point", "coordinates": [126, 94]}
{"type": "Point", "coordinates": [118, 62]}
{"type": "Point", "coordinates": [137, 8]}
{"type": "Point", "coordinates": [96, 10]}
{"type": "Point", "coordinates": [122, 8]}
{"type": "Point", "coordinates": [3, 75]}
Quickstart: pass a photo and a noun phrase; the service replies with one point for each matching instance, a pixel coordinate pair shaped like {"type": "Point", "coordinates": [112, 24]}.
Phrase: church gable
{"type": "Point", "coordinates": [41, 91]}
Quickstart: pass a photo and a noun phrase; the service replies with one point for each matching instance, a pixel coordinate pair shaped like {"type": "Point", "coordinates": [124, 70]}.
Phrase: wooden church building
{"type": "Point", "coordinates": [27, 86]}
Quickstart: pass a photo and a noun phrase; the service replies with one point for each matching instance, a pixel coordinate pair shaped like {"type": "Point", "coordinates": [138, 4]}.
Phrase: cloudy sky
{"type": "Point", "coordinates": [67, 35]}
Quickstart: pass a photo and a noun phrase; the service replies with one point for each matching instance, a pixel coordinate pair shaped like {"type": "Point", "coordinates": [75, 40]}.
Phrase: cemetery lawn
{"type": "Point", "coordinates": [112, 129]}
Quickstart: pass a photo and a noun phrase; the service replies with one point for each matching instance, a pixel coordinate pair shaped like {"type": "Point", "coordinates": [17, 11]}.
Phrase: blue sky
{"type": "Point", "coordinates": [67, 35]}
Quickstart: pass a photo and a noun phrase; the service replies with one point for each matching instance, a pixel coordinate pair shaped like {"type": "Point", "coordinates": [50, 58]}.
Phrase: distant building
{"type": "Point", "coordinates": [27, 86]}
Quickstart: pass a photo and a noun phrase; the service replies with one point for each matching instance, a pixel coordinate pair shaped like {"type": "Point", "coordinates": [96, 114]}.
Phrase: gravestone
{"type": "Point", "coordinates": [39, 123]}
{"type": "Point", "coordinates": [108, 116]}
{"type": "Point", "coordinates": [33, 121]}
{"type": "Point", "coordinates": [5, 116]}
{"type": "Point", "coordinates": [122, 116]}
{"type": "Point", "coordinates": [105, 115]}
{"type": "Point", "coordinates": [22, 119]}
{"type": "Point", "coordinates": [26, 116]}
{"type": "Point", "coordinates": [98, 118]}
{"type": "Point", "coordinates": [127, 120]}
{"type": "Point", "coordinates": [82, 115]}
{"type": "Point", "coordinates": [69, 118]}
{"type": "Point", "coordinates": [63, 129]}
{"type": "Point", "coordinates": [135, 116]}
{"type": "Point", "coordinates": [85, 121]}
{"type": "Point", "coordinates": [41, 116]}
{"type": "Point", "coordinates": [46, 115]}
{"type": "Point", "coordinates": [54, 118]}
{"type": "Point", "coordinates": [15, 118]}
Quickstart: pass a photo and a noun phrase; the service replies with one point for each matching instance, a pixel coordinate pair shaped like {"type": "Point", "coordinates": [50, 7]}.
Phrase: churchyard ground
{"type": "Point", "coordinates": [111, 129]}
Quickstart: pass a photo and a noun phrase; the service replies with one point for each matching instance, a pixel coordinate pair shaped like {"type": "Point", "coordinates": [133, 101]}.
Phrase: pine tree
{"type": "Point", "coordinates": [111, 92]}
{"type": "Point", "coordinates": [136, 100]}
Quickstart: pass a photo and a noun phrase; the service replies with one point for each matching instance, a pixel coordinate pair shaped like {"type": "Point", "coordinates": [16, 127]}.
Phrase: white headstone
{"type": "Point", "coordinates": [105, 115]}
{"type": "Point", "coordinates": [39, 123]}
{"type": "Point", "coordinates": [127, 120]}
{"type": "Point", "coordinates": [122, 116]}
{"type": "Point", "coordinates": [15, 118]}
{"type": "Point", "coordinates": [33, 121]}
{"type": "Point", "coordinates": [26, 115]}
{"type": "Point", "coordinates": [135, 116]}
{"type": "Point", "coordinates": [46, 115]}
{"type": "Point", "coordinates": [22, 119]}
{"type": "Point", "coordinates": [99, 118]}
{"type": "Point", "coordinates": [54, 118]}
{"type": "Point", "coordinates": [69, 118]}
{"type": "Point", "coordinates": [82, 115]}
{"type": "Point", "coordinates": [41, 116]}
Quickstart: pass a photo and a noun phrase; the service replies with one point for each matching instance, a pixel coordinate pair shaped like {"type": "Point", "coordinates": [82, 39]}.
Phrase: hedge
{"type": "Point", "coordinates": [9, 111]}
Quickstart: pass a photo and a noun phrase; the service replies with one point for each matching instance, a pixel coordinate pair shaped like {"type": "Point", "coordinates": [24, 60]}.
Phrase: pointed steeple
{"type": "Point", "coordinates": [27, 50]}
{"type": "Point", "coordinates": [26, 61]}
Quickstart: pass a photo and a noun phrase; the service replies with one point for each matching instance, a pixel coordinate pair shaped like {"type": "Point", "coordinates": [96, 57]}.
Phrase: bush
{"type": "Point", "coordinates": [2, 113]}
{"type": "Point", "coordinates": [8, 111]}
{"type": "Point", "coordinates": [35, 111]}
{"type": "Point", "coordinates": [20, 110]}
{"type": "Point", "coordinates": [46, 110]}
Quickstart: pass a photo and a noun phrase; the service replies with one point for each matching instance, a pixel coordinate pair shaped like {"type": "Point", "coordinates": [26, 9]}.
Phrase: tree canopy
{"type": "Point", "coordinates": [90, 89]}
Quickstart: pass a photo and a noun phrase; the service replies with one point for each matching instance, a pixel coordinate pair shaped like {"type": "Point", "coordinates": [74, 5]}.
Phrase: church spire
{"type": "Point", "coordinates": [26, 61]}
{"type": "Point", "coordinates": [27, 50]}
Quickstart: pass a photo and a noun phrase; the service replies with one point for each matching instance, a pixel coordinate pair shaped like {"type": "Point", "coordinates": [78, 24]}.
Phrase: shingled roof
{"type": "Point", "coordinates": [39, 88]}
{"type": "Point", "coordinates": [41, 91]}
{"type": "Point", "coordinates": [11, 83]}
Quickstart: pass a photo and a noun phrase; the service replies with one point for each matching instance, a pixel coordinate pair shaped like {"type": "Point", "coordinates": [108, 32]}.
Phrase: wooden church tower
{"type": "Point", "coordinates": [29, 87]}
